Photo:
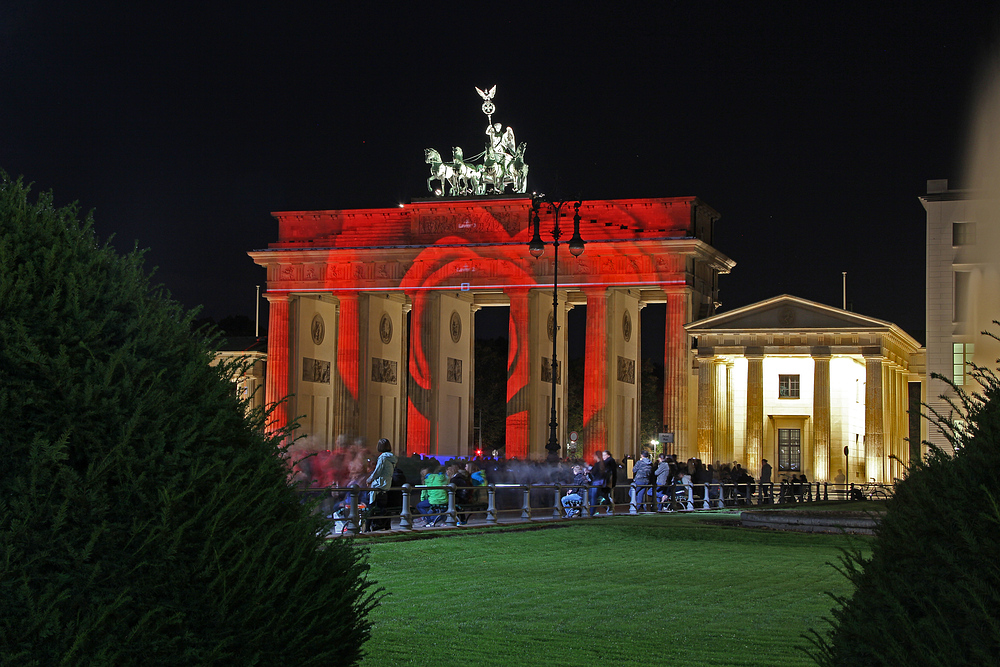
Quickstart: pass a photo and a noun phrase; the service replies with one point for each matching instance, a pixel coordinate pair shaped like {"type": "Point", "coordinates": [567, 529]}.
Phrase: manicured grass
{"type": "Point", "coordinates": [651, 590]}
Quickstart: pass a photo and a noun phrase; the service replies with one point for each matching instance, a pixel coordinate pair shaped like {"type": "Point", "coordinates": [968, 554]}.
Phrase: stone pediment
{"type": "Point", "coordinates": [786, 313]}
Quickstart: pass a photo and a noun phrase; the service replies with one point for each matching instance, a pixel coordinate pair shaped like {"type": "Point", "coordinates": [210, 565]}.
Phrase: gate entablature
{"type": "Point", "coordinates": [441, 260]}
{"type": "Point", "coordinates": [481, 244]}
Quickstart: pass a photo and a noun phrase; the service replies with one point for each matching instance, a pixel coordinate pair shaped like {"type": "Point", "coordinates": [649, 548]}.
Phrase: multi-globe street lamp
{"type": "Point", "coordinates": [537, 248]}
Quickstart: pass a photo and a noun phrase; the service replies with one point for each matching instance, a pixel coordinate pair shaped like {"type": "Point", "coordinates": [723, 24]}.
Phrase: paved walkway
{"type": "Point", "coordinates": [507, 517]}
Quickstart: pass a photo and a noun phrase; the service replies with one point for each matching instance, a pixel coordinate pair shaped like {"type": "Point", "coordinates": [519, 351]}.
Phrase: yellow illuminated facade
{"type": "Point", "coordinates": [795, 382]}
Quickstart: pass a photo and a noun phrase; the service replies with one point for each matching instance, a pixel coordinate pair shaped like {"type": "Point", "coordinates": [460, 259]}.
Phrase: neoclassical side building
{"type": "Point", "coordinates": [963, 290]}
{"type": "Point", "coordinates": [371, 323]}
{"type": "Point", "coordinates": [797, 382]}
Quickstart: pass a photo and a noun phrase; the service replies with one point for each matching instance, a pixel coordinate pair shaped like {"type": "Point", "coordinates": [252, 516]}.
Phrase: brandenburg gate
{"type": "Point", "coordinates": [372, 312]}
{"type": "Point", "coordinates": [371, 330]}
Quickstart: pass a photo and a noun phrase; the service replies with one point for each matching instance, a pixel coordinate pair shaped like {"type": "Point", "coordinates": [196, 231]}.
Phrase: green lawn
{"type": "Point", "coordinates": [651, 590]}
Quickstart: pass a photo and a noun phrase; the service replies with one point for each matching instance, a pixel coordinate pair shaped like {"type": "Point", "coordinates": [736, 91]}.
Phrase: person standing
{"type": "Point", "coordinates": [458, 476]}
{"type": "Point", "coordinates": [765, 482]}
{"type": "Point", "coordinates": [378, 481]}
{"type": "Point", "coordinates": [641, 478]}
{"type": "Point", "coordinates": [596, 481]}
{"type": "Point", "coordinates": [665, 473]}
{"type": "Point", "coordinates": [610, 478]}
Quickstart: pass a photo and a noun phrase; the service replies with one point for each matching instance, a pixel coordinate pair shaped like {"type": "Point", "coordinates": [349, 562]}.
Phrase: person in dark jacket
{"type": "Point", "coordinates": [610, 478]}
{"type": "Point", "coordinates": [765, 482]}
{"type": "Point", "coordinates": [574, 497]}
{"type": "Point", "coordinates": [642, 474]}
{"type": "Point", "coordinates": [597, 480]}
{"type": "Point", "coordinates": [463, 489]}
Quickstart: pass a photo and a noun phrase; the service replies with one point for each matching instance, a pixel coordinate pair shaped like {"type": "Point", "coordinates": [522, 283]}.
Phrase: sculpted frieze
{"type": "Point", "coordinates": [336, 271]}
{"type": "Point", "coordinates": [361, 271]}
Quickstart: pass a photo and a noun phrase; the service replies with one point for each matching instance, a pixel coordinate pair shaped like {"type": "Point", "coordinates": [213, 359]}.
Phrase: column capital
{"type": "Point", "coordinates": [277, 298]}
{"type": "Point", "coordinates": [820, 352]}
{"type": "Point", "coordinates": [753, 352]}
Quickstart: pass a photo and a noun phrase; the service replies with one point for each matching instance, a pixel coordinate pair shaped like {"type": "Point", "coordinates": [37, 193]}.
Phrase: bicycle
{"type": "Point", "coordinates": [870, 491]}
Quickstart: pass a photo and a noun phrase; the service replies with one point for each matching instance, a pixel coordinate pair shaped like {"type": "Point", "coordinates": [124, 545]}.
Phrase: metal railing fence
{"type": "Point", "coordinates": [528, 502]}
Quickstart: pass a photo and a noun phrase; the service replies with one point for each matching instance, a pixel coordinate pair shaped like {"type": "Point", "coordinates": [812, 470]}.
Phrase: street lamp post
{"type": "Point", "coordinates": [537, 248]}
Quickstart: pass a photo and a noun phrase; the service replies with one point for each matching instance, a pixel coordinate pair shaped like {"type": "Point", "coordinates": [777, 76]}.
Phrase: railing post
{"type": "Point", "coordinates": [405, 522]}
{"type": "Point", "coordinates": [353, 525]}
{"type": "Point", "coordinates": [826, 491]}
{"type": "Point", "coordinates": [491, 504]}
{"type": "Point", "coordinates": [526, 502]}
{"type": "Point", "coordinates": [586, 507]}
{"type": "Point", "coordinates": [850, 492]}
{"type": "Point", "coordinates": [557, 506]}
{"type": "Point", "coordinates": [452, 519]}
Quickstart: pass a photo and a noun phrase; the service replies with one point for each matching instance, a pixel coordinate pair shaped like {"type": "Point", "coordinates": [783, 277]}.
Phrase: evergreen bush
{"type": "Point", "coordinates": [929, 593]}
{"type": "Point", "coordinates": [144, 518]}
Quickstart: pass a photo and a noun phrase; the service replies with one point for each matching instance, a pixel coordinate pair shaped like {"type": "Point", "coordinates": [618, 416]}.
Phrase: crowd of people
{"type": "Point", "coordinates": [662, 483]}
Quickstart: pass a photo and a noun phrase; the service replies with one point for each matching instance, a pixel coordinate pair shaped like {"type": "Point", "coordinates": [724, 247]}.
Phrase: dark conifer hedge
{"type": "Point", "coordinates": [144, 519]}
{"type": "Point", "coordinates": [929, 594]}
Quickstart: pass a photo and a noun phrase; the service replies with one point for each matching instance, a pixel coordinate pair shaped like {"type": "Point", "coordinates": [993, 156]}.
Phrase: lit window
{"type": "Point", "coordinates": [790, 449]}
{"type": "Point", "coordinates": [963, 233]}
{"type": "Point", "coordinates": [962, 354]}
{"type": "Point", "coordinates": [788, 386]}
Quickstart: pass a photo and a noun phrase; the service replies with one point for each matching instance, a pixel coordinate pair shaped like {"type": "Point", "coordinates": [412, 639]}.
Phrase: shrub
{"type": "Point", "coordinates": [929, 593]}
{"type": "Point", "coordinates": [143, 517]}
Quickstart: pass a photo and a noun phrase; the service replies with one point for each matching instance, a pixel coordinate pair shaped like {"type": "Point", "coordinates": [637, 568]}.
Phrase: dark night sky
{"type": "Point", "coordinates": [812, 132]}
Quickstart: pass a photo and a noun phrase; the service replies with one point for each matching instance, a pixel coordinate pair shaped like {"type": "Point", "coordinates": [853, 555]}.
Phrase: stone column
{"type": "Point", "coordinates": [902, 421]}
{"type": "Point", "coordinates": [279, 355]}
{"type": "Point", "coordinates": [346, 395]}
{"type": "Point", "coordinates": [821, 414]}
{"type": "Point", "coordinates": [706, 405]}
{"type": "Point", "coordinates": [472, 375]}
{"type": "Point", "coordinates": [518, 374]}
{"type": "Point", "coordinates": [889, 418]}
{"type": "Point", "coordinates": [730, 430]}
{"type": "Point", "coordinates": [676, 371]}
{"type": "Point", "coordinates": [419, 410]}
{"type": "Point", "coordinates": [720, 424]}
{"type": "Point", "coordinates": [595, 389]}
{"type": "Point", "coordinates": [874, 417]}
{"type": "Point", "coordinates": [755, 409]}
{"type": "Point", "coordinates": [404, 377]}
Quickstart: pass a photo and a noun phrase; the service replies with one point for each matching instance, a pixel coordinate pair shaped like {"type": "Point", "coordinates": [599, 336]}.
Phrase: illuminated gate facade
{"type": "Point", "coordinates": [371, 329]}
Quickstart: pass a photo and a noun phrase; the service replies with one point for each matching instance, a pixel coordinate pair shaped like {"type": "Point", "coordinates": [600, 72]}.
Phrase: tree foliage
{"type": "Point", "coordinates": [143, 516]}
{"type": "Point", "coordinates": [929, 592]}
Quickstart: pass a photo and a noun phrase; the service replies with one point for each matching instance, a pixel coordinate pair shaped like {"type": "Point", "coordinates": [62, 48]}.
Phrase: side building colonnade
{"type": "Point", "coordinates": [371, 326]}
{"type": "Point", "coordinates": [796, 382]}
